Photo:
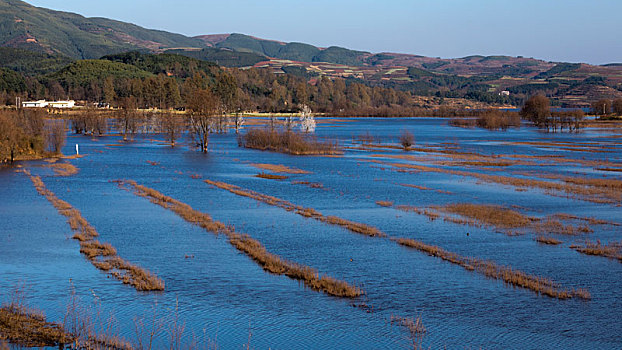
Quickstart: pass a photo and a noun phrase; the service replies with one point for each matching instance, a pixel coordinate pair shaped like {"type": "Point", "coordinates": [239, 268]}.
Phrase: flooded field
{"type": "Point", "coordinates": [468, 239]}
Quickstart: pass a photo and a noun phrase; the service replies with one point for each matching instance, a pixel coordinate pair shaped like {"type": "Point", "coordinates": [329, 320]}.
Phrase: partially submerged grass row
{"type": "Point", "coordinates": [64, 169]}
{"type": "Point", "coordinates": [102, 255]}
{"type": "Point", "coordinates": [490, 269]}
{"type": "Point", "coordinates": [510, 276]}
{"type": "Point", "coordinates": [249, 246]}
{"type": "Point", "coordinates": [508, 221]}
{"type": "Point", "coordinates": [306, 212]}
{"type": "Point", "coordinates": [612, 250]}
{"type": "Point", "coordinates": [592, 190]}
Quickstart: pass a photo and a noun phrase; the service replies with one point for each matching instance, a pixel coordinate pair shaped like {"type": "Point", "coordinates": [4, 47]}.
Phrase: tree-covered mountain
{"type": "Point", "coordinates": [288, 51]}
{"type": "Point", "coordinates": [53, 32]}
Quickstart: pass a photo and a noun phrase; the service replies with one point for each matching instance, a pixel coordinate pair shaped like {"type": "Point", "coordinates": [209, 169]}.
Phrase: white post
{"type": "Point", "coordinates": [77, 150]}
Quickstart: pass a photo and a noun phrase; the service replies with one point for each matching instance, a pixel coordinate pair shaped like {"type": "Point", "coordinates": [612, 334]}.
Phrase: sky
{"type": "Point", "coordinates": [554, 30]}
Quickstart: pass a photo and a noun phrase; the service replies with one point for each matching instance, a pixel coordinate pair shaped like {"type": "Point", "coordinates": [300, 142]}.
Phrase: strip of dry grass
{"type": "Point", "coordinates": [423, 188]}
{"type": "Point", "coordinates": [548, 240]}
{"type": "Point", "coordinates": [278, 168]}
{"type": "Point", "coordinates": [612, 250]}
{"type": "Point", "coordinates": [249, 246]}
{"type": "Point", "coordinates": [490, 269]}
{"type": "Point", "coordinates": [592, 190]}
{"type": "Point", "coordinates": [307, 183]}
{"type": "Point", "coordinates": [384, 203]}
{"type": "Point", "coordinates": [64, 169]}
{"type": "Point", "coordinates": [102, 255]}
{"type": "Point", "coordinates": [263, 175]}
{"type": "Point", "coordinates": [306, 212]}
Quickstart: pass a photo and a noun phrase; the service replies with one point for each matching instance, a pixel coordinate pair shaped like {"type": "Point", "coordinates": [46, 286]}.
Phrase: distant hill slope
{"type": "Point", "coordinates": [288, 51]}
{"type": "Point", "coordinates": [53, 32]}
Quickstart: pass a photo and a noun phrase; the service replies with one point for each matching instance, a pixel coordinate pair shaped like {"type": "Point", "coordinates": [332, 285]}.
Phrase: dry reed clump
{"type": "Point", "coordinates": [306, 212]}
{"type": "Point", "coordinates": [28, 328]}
{"type": "Point", "coordinates": [490, 269]}
{"type": "Point", "coordinates": [278, 168]}
{"type": "Point", "coordinates": [249, 246]}
{"type": "Point", "coordinates": [612, 250]}
{"type": "Point", "coordinates": [384, 203]}
{"type": "Point", "coordinates": [64, 169]}
{"type": "Point", "coordinates": [310, 184]}
{"type": "Point", "coordinates": [263, 175]}
{"type": "Point", "coordinates": [548, 240]}
{"type": "Point", "coordinates": [287, 142]}
{"type": "Point", "coordinates": [102, 255]}
{"type": "Point", "coordinates": [415, 326]}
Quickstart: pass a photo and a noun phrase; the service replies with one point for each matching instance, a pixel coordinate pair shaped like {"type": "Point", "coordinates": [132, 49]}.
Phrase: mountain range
{"type": "Point", "coordinates": [62, 37]}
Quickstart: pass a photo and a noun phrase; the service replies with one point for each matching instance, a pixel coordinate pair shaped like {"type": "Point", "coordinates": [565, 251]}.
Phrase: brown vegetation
{"type": "Point", "coordinates": [306, 212]}
{"type": "Point", "coordinates": [101, 255]}
{"type": "Point", "coordinates": [310, 184]}
{"type": "Point", "coordinates": [271, 176]}
{"type": "Point", "coordinates": [491, 119]}
{"type": "Point", "coordinates": [415, 327]}
{"type": "Point", "coordinates": [29, 328]}
{"type": "Point", "coordinates": [287, 142]}
{"type": "Point", "coordinates": [502, 219]}
{"type": "Point", "coordinates": [64, 169]}
{"type": "Point", "coordinates": [592, 190]}
{"type": "Point", "coordinates": [249, 246]}
{"type": "Point", "coordinates": [490, 269]}
{"type": "Point", "coordinates": [612, 250]}
{"type": "Point", "coordinates": [26, 327]}
{"type": "Point", "coordinates": [384, 203]}
{"type": "Point", "coordinates": [548, 240]}
{"type": "Point", "coordinates": [278, 168]}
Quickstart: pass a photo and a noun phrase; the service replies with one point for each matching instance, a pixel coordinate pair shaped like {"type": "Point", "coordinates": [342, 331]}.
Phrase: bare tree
{"type": "Point", "coordinates": [128, 118]}
{"type": "Point", "coordinates": [617, 106]}
{"type": "Point", "coordinates": [203, 106]}
{"type": "Point", "coordinates": [537, 110]}
{"type": "Point", "coordinates": [55, 135]}
{"type": "Point", "coordinates": [172, 126]}
{"type": "Point", "coordinates": [407, 139]}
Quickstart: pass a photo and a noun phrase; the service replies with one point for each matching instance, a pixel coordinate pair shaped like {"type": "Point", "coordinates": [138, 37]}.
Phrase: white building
{"type": "Point", "coordinates": [34, 104]}
{"type": "Point", "coordinates": [51, 104]}
{"type": "Point", "coordinates": [62, 104]}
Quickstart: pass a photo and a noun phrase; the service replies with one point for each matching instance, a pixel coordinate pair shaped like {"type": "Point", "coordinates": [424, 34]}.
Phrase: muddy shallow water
{"type": "Point", "coordinates": [224, 298]}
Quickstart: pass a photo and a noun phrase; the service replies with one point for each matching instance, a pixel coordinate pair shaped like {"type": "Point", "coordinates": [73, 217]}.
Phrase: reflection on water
{"type": "Point", "coordinates": [223, 297]}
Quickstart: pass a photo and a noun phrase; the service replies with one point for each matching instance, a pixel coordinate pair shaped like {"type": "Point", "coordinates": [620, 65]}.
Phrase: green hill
{"type": "Point", "coordinates": [291, 51]}
{"type": "Point", "coordinates": [53, 32]}
{"type": "Point", "coordinates": [31, 63]}
{"type": "Point", "coordinates": [165, 63]}
{"type": "Point", "coordinates": [84, 72]}
{"type": "Point", "coordinates": [222, 57]}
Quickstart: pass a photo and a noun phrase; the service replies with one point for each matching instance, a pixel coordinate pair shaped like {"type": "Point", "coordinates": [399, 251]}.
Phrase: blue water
{"type": "Point", "coordinates": [224, 298]}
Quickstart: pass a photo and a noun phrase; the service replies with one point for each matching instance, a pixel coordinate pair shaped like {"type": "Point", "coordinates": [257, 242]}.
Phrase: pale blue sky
{"type": "Point", "coordinates": [556, 30]}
